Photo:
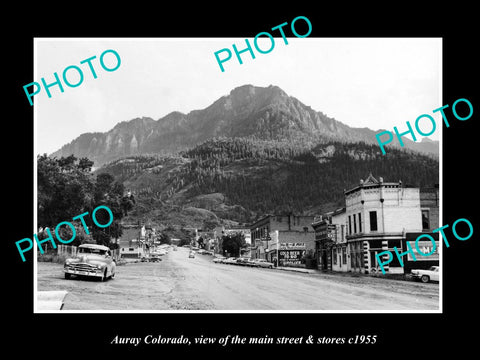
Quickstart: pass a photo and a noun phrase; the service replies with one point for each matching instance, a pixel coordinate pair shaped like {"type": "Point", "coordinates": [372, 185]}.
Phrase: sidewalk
{"type": "Point", "coordinates": [302, 270]}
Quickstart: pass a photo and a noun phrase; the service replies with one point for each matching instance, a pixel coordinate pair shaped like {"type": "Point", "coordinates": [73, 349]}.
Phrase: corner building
{"type": "Point", "coordinates": [378, 215]}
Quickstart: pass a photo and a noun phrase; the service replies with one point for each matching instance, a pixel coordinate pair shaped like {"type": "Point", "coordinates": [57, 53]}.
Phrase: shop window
{"type": "Point", "coordinates": [425, 219]}
{"type": "Point", "coordinates": [373, 221]}
{"type": "Point", "coordinates": [344, 255]}
{"type": "Point", "coordinates": [334, 256]}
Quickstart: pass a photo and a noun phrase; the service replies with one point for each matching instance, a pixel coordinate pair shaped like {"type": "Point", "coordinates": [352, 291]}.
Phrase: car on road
{"type": "Point", "coordinates": [154, 257]}
{"type": "Point", "coordinates": [91, 260]}
{"type": "Point", "coordinates": [425, 276]}
{"type": "Point", "coordinates": [219, 259]}
{"type": "Point", "coordinates": [246, 262]}
{"type": "Point", "coordinates": [160, 252]}
{"type": "Point", "coordinates": [263, 263]}
{"type": "Point", "coordinates": [191, 254]}
{"type": "Point", "coordinates": [230, 260]}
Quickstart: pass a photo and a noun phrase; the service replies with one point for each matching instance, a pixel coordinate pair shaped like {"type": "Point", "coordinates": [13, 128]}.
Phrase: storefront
{"type": "Point", "coordinates": [420, 249]}
{"type": "Point", "coordinates": [325, 233]}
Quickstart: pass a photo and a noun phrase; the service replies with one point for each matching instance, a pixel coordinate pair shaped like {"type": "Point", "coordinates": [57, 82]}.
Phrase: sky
{"type": "Point", "coordinates": [377, 83]}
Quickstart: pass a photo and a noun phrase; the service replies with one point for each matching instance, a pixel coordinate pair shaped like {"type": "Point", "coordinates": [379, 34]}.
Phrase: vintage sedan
{"type": "Point", "coordinates": [263, 263]}
{"type": "Point", "coordinates": [219, 259]}
{"type": "Point", "coordinates": [246, 262]}
{"type": "Point", "coordinates": [91, 260]}
{"type": "Point", "coordinates": [425, 276]}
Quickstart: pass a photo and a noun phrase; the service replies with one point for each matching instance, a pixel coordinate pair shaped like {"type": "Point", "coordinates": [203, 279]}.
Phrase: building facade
{"type": "Point", "coordinates": [296, 239]}
{"type": "Point", "coordinates": [331, 248]}
{"type": "Point", "coordinates": [379, 216]}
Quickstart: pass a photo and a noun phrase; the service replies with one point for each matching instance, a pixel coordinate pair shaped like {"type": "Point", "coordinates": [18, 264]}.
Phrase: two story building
{"type": "Point", "coordinates": [330, 241]}
{"type": "Point", "coordinates": [377, 217]}
{"type": "Point", "coordinates": [295, 238]}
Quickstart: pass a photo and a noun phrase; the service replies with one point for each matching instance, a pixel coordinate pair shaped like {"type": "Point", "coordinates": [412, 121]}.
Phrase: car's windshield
{"type": "Point", "coordinates": [91, 251]}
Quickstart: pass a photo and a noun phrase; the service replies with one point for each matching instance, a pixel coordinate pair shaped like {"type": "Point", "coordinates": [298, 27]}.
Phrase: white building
{"type": "Point", "coordinates": [378, 215]}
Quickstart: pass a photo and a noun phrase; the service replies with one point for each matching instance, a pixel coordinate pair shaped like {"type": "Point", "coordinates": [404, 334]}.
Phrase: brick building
{"type": "Point", "coordinates": [295, 238]}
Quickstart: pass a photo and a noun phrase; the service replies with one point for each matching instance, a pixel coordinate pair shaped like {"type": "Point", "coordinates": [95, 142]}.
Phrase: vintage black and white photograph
{"type": "Point", "coordinates": [209, 175]}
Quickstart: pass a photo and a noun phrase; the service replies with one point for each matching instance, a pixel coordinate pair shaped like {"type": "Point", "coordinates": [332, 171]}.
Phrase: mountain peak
{"type": "Point", "coordinates": [266, 113]}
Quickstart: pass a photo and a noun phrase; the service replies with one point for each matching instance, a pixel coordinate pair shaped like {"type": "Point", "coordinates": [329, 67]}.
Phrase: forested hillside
{"type": "Point", "coordinates": [258, 176]}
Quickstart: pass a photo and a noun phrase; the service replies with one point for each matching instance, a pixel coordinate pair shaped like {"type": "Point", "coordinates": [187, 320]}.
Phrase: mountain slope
{"type": "Point", "coordinates": [248, 111]}
{"type": "Point", "coordinates": [227, 179]}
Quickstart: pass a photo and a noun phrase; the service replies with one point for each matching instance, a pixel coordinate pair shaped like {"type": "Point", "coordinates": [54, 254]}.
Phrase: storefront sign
{"type": "Point", "coordinates": [326, 232]}
{"type": "Point", "coordinates": [425, 247]}
{"type": "Point", "coordinates": [292, 246]}
{"type": "Point", "coordinates": [290, 257]}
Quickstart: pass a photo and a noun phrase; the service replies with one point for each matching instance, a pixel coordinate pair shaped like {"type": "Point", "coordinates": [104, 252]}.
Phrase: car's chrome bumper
{"type": "Point", "coordinates": [84, 272]}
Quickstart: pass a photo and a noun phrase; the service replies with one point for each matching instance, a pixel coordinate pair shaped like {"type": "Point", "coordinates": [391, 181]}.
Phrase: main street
{"type": "Point", "coordinates": [182, 283]}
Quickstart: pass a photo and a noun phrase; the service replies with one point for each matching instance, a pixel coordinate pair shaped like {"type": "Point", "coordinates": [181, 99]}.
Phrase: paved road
{"type": "Point", "coordinates": [182, 283]}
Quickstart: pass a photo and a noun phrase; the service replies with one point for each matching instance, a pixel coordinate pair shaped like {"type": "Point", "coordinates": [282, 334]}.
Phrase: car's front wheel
{"type": "Point", "coordinates": [67, 276]}
{"type": "Point", "coordinates": [425, 278]}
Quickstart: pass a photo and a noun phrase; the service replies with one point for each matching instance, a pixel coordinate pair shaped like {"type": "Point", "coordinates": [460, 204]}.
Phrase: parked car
{"type": "Point", "coordinates": [91, 260]}
{"type": "Point", "coordinates": [245, 262]}
{"type": "Point", "coordinates": [219, 259]}
{"type": "Point", "coordinates": [154, 258]}
{"type": "Point", "coordinates": [230, 260]}
{"type": "Point", "coordinates": [262, 263]}
{"type": "Point", "coordinates": [425, 276]}
{"type": "Point", "coordinates": [191, 254]}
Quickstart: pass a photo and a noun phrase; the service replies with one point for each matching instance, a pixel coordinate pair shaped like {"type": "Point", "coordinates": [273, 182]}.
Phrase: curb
{"type": "Point", "coordinates": [300, 270]}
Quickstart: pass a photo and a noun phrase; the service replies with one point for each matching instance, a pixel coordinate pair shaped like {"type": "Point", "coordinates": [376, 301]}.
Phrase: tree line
{"type": "Point", "coordinates": [271, 176]}
{"type": "Point", "coordinates": [67, 187]}
{"type": "Point", "coordinates": [280, 177]}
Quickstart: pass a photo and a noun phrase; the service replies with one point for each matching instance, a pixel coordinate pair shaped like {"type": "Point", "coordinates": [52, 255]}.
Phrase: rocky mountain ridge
{"type": "Point", "coordinates": [266, 113]}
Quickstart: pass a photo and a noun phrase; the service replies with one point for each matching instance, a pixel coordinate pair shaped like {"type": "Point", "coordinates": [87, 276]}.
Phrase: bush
{"type": "Point", "coordinates": [51, 257]}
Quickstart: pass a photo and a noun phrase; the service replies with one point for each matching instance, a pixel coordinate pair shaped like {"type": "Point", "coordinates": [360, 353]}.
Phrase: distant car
{"type": "Point", "coordinates": [219, 259]}
{"type": "Point", "coordinates": [154, 257]}
{"type": "Point", "coordinates": [91, 260]}
{"type": "Point", "coordinates": [262, 263]}
{"type": "Point", "coordinates": [230, 260]}
{"type": "Point", "coordinates": [191, 254]}
{"type": "Point", "coordinates": [425, 276]}
{"type": "Point", "coordinates": [246, 262]}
